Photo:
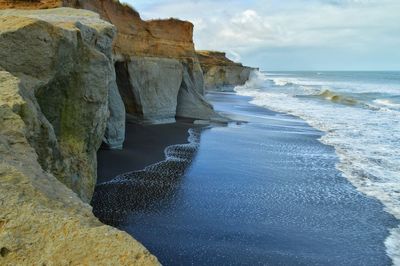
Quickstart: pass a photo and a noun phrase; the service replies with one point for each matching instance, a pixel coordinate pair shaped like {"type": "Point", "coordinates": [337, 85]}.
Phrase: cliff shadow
{"type": "Point", "coordinates": [146, 189]}
{"type": "Point", "coordinates": [131, 101]}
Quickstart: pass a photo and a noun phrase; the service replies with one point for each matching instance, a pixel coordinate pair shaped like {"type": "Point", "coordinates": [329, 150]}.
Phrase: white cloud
{"type": "Point", "coordinates": [249, 28]}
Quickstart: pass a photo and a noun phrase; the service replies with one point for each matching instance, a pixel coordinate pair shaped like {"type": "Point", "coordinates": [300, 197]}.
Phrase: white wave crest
{"type": "Point", "coordinates": [387, 103]}
{"type": "Point", "coordinates": [367, 142]}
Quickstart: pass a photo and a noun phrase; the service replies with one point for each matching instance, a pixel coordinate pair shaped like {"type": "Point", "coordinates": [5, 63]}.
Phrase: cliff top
{"type": "Point", "coordinates": [135, 37]}
{"type": "Point", "coordinates": [30, 4]}
{"type": "Point", "coordinates": [215, 58]}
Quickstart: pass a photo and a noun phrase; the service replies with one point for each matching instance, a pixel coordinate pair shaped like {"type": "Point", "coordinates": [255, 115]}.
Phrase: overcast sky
{"type": "Point", "coordinates": [292, 34]}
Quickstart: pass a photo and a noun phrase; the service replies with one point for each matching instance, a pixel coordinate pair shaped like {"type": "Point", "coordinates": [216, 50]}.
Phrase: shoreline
{"type": "Point", "coordinates": [92, 65]}
{"type": "Point", "coordinates": [357, 163]}
{"type": "Point", "coordinates": [154, 181]}
{"type": "Point", "coordinates": [392, 240]}
{"type": "Point", "coordinates": [148, 218]}
{"type": "Point", "coordinates": [270, 188]}
{"type": "Point", "coordinates": [144, 146]}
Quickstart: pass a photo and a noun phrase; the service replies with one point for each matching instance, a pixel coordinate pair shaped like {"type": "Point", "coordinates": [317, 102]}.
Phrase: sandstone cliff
{"type": "Point", "coordinates": [221, 73]}
{"type": "Point", "coordinates": [62, 74]}
{"type": "Point", "coordinates": [56, 75]}
{"type": "Point", "coordinates": [65, 64]}
{"type": "Point", "coordinates": [158, 72]}
{"type": "Point", "coordinates": [162, 51]}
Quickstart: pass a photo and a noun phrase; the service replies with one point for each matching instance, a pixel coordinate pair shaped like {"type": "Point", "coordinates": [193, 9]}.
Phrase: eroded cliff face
{"type": "Point", "coordinates": [153, 57]}
{"type": "Point", "coordinates": [55, 77]}
{"type": "Point", "coordinates": [62, 74]}
{"type": "Point", "coordinates": [65, 66]}
{"type": "Point", "coordinates": [159, 74]}
{"type": "Point", "coordinates": [221, 73]}
{"type": "Point", "coordinates": [138, 48]}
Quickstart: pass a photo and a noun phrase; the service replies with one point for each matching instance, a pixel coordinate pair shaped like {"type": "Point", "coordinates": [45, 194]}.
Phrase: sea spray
{"type": "Point", "coordinates": [361, 117]}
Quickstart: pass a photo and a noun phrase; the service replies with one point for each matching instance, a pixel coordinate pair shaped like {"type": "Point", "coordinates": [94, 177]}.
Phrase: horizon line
{"type": "Point", "coordinates": [314, 70]}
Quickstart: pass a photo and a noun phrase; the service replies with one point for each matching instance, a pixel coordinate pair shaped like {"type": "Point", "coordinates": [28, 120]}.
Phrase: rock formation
{"type": "Point", "coordinates": [151, 58]}
{"type": "Point", "coordinates": [55, 77]}
{"type": "Point", "coordinates": [160, 77]}
{"type": "Point", "coordinates": [62, 74]}
{"type": "Point", "coordinates": [221, 73]}
{"type": "Point", "coordinates": [65, 65]}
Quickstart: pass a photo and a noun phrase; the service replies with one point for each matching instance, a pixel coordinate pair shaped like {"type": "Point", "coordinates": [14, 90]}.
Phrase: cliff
{"type": "Point", "coordinates": [158, 72]}
{"type": "Point", "coordinates": [158, 38]}
{"type": "Point", "coordinates": [62, 74]}
{"type": "Point", "coordinates": [56, 75]}
{"type": "Point", "coordinates": [221, 73]}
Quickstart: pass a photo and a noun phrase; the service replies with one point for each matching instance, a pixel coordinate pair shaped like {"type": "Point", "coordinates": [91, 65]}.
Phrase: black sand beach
{"type": "Point", "coordinates": [144, 145]}
{"type": "Point", "coordinates": [264, 192]}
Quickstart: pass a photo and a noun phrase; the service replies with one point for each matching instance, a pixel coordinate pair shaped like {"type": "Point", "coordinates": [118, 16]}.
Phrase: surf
{"type": "Point", "coordinates": [364, 131]}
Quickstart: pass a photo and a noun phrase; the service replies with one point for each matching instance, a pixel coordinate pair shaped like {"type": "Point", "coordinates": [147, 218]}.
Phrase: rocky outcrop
{"type": "Point", "coordinates": [65, 65]}
{"type": "Point", "coordinates": [190, 98]}
{"type": "Point", "coordinates": [62, 74]}
{"type": "Point", "coordinates": [114, 136]}
{"type": "Point", "coordinates": [55, 77]}
{"type": "Point", "coordinates": [221, 73]}
{"type": "Point", "coordinates": [156, 90]}
{"type": "Point", "coordinates": [149, 47]}
{"type": "Point", "coordinates": [152, 57]}
{"type": "Point", "coordinates": [149, 87]}
{"type": "Point", "coordinates": [115, 130]}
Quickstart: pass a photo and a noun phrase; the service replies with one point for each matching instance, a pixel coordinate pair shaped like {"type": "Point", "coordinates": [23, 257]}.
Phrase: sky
{"type": "Point", "coordinates": [291, 34]}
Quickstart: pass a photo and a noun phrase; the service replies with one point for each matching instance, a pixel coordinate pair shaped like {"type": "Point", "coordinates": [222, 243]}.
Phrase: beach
{"type": "Point", "coordinates": [199, 132]}
{"type": "Point", "coordinates": [263, 191]}
{"type": "Point", "coordinates": [144, 146]}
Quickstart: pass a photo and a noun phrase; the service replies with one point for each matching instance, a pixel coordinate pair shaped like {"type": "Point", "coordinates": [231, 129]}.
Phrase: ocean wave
{"type": "Point", "coordinates": [326, 79]}
{"type": "Point", "coordinates": [331, 93]}
{"type": "Point", "coordinates": [281, 82]}
{"type": "Point", "coordinates": [366, 141]}
{"type": "Point", "coordinates": [387, 103]}
{"type": "Point", "coordinates": [337, 97]}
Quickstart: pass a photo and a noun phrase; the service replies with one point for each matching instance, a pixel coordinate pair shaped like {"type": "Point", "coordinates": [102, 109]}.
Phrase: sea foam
{"type": "Point", "coordinates": [367, 140]}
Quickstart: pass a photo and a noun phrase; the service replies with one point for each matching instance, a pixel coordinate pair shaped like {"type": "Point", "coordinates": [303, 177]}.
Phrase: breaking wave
{"type": "Point", "coordinates": [337, 97]}
{"type": "Point", "coordinates": [363, 126]}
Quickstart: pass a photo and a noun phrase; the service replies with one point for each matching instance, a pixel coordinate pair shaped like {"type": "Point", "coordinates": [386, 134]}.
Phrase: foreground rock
{"type": "Point", "coordinates": [55, 76]}
{"type": "Point", "coordinates": [64, 62]}
{"type": "Point", "coordinates": [221, 73]}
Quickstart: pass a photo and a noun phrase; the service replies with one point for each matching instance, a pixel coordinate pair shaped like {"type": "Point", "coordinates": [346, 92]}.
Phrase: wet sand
{"type": "Point", "coordinates": [265, 192]}
{"type": "Point", "coordinates": [144, 145]}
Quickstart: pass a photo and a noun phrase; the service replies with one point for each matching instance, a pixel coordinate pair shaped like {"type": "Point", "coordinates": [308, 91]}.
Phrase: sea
{"type": "Point", "coordinates": [359, 112]}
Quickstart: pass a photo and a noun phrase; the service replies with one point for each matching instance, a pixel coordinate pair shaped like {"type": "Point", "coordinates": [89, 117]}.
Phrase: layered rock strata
{"type": "Point", "coordinates": [160, 77]}
{"type": "Point", "coordinates": [64, 62]}
{"type": "Point", "coordinates": [56, 75]}
{"type": "Point", "coordinates": [221, 73]}
{"type": "Point", "coordinates": [151, 59]}
{"type": "Point", "coordinates": [62, 74]}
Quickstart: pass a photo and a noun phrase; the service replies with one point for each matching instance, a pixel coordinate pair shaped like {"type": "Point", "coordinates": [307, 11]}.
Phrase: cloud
{"type": "Point", "coordinates": [248, 29]}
